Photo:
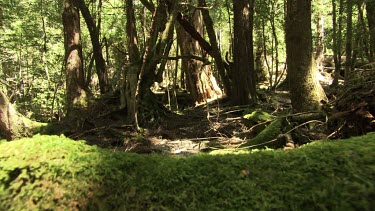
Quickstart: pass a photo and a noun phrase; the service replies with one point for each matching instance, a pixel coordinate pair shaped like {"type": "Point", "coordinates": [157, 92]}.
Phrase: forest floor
{"type": "Point", "coordinates": [56, 172]}
{"type": "Point", "coordinates": [219, 125]}
{"type": "Point", "coordinates": [209, 126]}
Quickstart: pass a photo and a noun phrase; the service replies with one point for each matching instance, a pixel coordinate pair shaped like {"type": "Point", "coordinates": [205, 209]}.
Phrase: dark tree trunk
{"type": "Point", "coordinates": [244, 85]}
{"type": "Point", "coordinates": [337, 40]}
{"type": "Point", "coordinates": [364, 36]}
{"type": "Point", "coordinates": [349, 37]}
{"type": "Point", "coordinates": [162, 24]}
{"type": "Point", "coordinates": [132, 70]}
{"type": "Point", "coordinates": [101, 69]}
{"type": "Point", "coordinates": [370, 8]}
{"type": "Point", "coordinates": [305, 91]}
{"type": "Point", "coordinates": [75, 90]}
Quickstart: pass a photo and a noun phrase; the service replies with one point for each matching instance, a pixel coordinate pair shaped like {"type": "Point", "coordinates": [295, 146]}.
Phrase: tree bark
{"type": "Point", "coordinates": [337, 40]}
{"type": "Point", "coordinates": [75, 90]}
{"type": "Point", "coordinates": [305, 91]}
{"type": "Point", "coordinates": [319, 49]}
{"type": "Point", "coordinates": [244, 85]}
{"type": "Point", "coordinates": [370, 8]}
{"type": "Point", "coordinates": [162, 24]}
{"type": "Point", "coordinates": [12, 124]}
{"type": "Point", "coordinates": [349, 37]}
{"type": "Point", "coordinates": [222, 67]}
{"type": "Point", "coordinates": [132, 70]}
{"type": "Point", "coordinates": [100, 64]}
{"type": "Point", "coordinates": [192, 67]}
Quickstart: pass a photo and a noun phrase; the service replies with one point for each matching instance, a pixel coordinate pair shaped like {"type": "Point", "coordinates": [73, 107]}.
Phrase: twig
{"type": "Point", "coordinates": [255, 145]}
{"type": "Point", "coordinates": [87, 131]}
{"type": "Point", "coordinates": [202, 139]}
{"type": "Point", "coordinates": [336, 131]}
{"type": "Point", "coordinates": [262, 123]}
{"type": "Point", "coordinates": [305, 123]}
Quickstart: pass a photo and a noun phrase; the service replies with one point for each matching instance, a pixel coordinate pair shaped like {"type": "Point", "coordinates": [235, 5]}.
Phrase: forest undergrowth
{"type": "Point", "coordinates": [219, 125]}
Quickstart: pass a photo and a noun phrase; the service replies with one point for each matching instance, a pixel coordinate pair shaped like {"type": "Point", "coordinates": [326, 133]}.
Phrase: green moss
{"type": "Point", "coordinates": [257, 116]}
{"type": "Point", "coordinates": [51, 172]}
{"type": "Point", "coordinates": [269, 133]}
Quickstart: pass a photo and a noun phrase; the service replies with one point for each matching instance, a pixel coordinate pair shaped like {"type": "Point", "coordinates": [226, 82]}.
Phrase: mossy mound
{"type": "Point", "coordinates": [257, 116]}
{"type": "Point", "coordinates": [268, 134]}
{"type": "Point", "coordinates": [51, 172]}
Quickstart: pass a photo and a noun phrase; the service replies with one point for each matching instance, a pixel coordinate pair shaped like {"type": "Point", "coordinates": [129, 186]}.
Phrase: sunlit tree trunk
{"type": "Point", "coordinates": [190, 66]}
{"type": "Point", "coordinates": [200, 81]}
{"type": "Point", "coordinates": [101, 69]}
{"type": "Point", "coordinates": [12, 124]}
{"type": "Point", "coordinates": [370, 8]}
{"type": "Point", "coordinates": [319, 49]}
{"type": "Point", "coordinates": [305, 91]}
{"type": "Point", "coordinates": [222, 67]}
{"type": "Point", "coordinates": [75, 90]}
{"type": "Point", "coordinates": [244, 82]}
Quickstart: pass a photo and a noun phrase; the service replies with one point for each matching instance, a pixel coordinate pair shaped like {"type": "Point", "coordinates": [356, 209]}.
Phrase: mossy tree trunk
{"type": "Point", "coordinates": [305, 91]}
{"type": "Point", "coordinates": [76, 92]}
{"type": "Point", "coordinates": [132, 70]}
{"type": "Point", "coordinates": [12, 124]}
{"type": "Point", "coordinates": [162, 25]}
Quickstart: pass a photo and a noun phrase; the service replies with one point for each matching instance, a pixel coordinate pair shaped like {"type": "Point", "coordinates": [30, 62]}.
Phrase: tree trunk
{"type": "Point", "coordinates": [244, 86]}
{"type": "Point", "coordinates": [222, 67]}
{"type": "Point", "coordinates": [75, 90]}
{"type": "Point", "coordinates": [349, 37]}
{"type": "Point", "coordinates": [370, 8]}
{"type": "Point", "coordinates": [12, 124]}
{"type": "Point", "coordinates": [200, 82]}
{"type": "Point", "coordinates": [364, 36]}
{"type": "Point", "coordinates": [190, 66]}
{"type": "Point", "coordinates": [162, 24]}
{"type": "Point", "coordinates": [319, 49]}
{"type": "Point", "coordinates": [337, 40]}
{"type": "Point", "coordinates": [101, 69]}
{"type": "Point", "coordinates": [132, 70]}
{"type": "Point", "coordinates": [305, 91]}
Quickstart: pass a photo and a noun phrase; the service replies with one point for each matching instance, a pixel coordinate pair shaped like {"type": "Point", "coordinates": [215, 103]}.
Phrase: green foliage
{"type": "Point", "coordinates": [22, 65]}
{"type": "Point", "coordinates": [51, 172]}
